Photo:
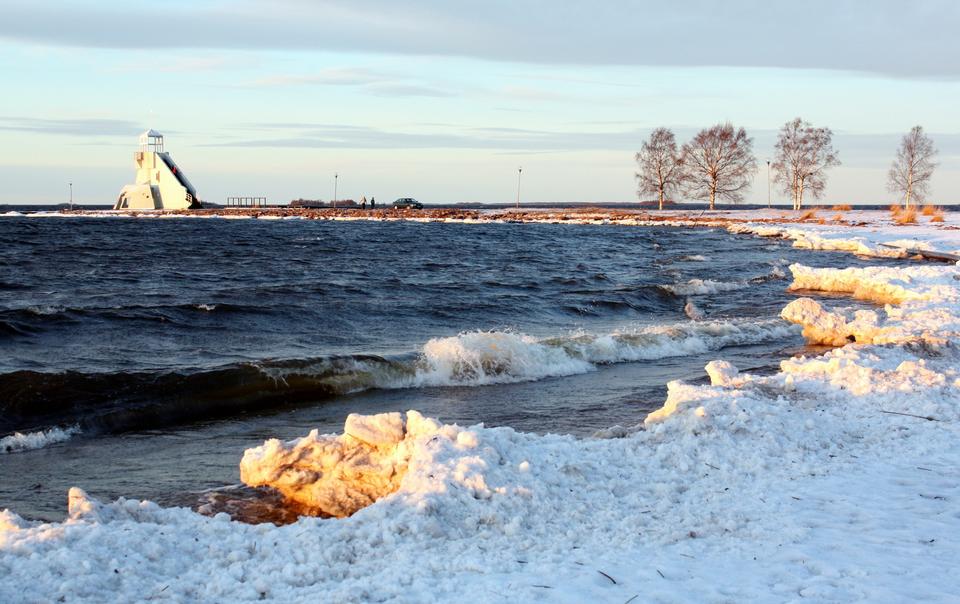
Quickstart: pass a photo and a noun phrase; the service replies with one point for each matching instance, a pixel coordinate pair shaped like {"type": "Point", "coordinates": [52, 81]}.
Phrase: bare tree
{"type": "Point", "coordinates": [911, 172]}
{"type": "Point", "coordinates": [719, 164]}
{"type": "Point", "coordinates": [804, 154]}
{"type": "Point", "coordinates": [659, 166]}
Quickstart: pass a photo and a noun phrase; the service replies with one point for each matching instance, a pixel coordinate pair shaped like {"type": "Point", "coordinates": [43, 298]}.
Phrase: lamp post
{"type": "Point", "coordinates": [519, 172]}
{"type": "Point", "coordinates": [768, 185]}
{"type": "Point", "coordinates": [71, 196]}
{"type": "Point", "coordinates": [336, 176]}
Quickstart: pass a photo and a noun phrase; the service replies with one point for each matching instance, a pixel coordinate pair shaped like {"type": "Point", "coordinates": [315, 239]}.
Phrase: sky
{"type": "Point", "coordinates": [444, 100]}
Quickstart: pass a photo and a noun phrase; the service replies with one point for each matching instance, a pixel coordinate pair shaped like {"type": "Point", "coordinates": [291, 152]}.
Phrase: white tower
{"type": "Point", "coordinates": [160, 184]}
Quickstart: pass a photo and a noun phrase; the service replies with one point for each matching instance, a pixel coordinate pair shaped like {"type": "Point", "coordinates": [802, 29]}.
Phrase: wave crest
{"type": "Point", "coordinates": [19, 441]}
{"type": "Point", "coordinates": [702, 287]}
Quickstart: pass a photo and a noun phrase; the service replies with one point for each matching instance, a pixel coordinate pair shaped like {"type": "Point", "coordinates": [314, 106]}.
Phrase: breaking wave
{"type": "Point", "coordinates": [129, 400]}
{"type": "Point", "coordinates": [702, 287]}
{"type": "Point", "coordinates": [19, 441]}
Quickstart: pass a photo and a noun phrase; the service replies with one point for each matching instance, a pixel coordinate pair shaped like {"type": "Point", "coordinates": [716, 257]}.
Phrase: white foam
{"type": "Point", "coordinates": [483, 357]}
{"type": "Point", "coordinates": [18, 441]}
{"type": "Point", "coordinates": [702, 287]}
{"type": "Point", "coordinates": [488, 357]}
{"type": "Point", "coordinates": [46, 309]}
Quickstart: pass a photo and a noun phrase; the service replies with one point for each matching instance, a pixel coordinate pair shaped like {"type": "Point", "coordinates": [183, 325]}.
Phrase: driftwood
{"type": "Point", "coordinates": [925, 254]}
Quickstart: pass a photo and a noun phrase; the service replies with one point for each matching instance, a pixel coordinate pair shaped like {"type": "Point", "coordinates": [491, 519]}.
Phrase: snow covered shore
{"type": "Point", "coordinates": [834, 480]}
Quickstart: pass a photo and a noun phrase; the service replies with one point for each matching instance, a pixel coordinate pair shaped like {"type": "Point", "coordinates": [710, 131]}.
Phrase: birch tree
{"type": "Point", "coordinates": [911, 172]}
{"type": "Point", "coordinates": [719, 164]}
{"type": "Point", "coordinates": [803, 155]}
{"type": "Point", "coordinates": [659, 166]}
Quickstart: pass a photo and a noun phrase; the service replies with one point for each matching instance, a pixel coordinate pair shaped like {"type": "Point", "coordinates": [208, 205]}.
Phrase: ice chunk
{"type": "Point", "coordinates": [722, 373]}
{"type": "Point", "coordinates": [337, 475]}
{"type": "Point", "coordinates": [377, 430]}
{"type": "Point", "coordinates": [693, 313]}
{"type": "Point", "coordinates": [819, 325]}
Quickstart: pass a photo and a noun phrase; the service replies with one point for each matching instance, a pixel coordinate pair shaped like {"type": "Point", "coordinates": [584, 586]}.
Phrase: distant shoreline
{"type": "Point", "coordinates": [552, 215]}
{"type": "Point", "coordinates": [483, 207]}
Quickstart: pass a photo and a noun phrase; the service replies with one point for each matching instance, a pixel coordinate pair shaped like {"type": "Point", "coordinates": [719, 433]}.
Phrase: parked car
{"type": "Point", "coordinates": [408, 202]}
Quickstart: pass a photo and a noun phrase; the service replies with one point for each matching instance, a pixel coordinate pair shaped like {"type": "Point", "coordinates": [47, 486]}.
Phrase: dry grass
{"type": "Point", "coordinates": [809, 215]}
{"type": "Point", "coordinates": [895, 209]}
{"type": "Point", "coordinates": [929, 210]}
{"type": "Point", "coordinates": [907, 216]}
{"type": "Point", "coordinates": [937, 216]}
{"type": "Point", "coordinates": [842, 208]}
{"type": "Point", "coordinates": [838, 217]}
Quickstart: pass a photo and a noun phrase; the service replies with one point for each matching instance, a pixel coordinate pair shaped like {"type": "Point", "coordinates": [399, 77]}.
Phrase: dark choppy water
{"type": "Point", "coordinates": [171, 345]}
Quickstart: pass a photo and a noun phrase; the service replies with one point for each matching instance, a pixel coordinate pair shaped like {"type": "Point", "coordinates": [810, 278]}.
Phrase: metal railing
{"type": "Point", "coordinates": [246, 202]}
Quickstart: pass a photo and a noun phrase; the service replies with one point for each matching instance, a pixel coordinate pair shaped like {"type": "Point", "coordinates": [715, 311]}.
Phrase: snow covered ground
{"type": "Point", "coordinates": [836, 479]}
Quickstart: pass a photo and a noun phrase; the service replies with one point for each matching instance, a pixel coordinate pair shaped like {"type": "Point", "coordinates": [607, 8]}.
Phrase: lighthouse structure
{"type": "Point", "coordinates": [160, 184]}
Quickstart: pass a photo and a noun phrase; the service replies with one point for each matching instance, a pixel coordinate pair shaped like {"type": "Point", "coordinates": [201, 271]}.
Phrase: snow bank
{"type": "Point", "coordinates": [926, 297]}
{"type": "Point", "coordinates": [19, 441]}
{"type": "Point", "coordinates": [861, 238]}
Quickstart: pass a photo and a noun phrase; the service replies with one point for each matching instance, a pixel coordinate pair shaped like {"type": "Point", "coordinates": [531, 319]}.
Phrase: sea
{"type": "Point", "coordinates": [140, 357]}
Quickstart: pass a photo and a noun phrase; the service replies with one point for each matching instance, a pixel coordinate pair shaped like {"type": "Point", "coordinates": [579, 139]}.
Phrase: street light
{"type": "Point", "coordinates": [519, 172]}
{"type": "Point", "coordinates": [768, 185]}
{"type": "Point", "coordinates": [71, 196]}
{"type": "Point", "coordinates": [335, 177]}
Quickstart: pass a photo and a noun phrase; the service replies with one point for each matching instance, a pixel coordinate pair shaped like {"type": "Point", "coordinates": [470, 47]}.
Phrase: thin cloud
{"type": "Point", "coordinates": [890, 37]}
{"type": "Point", "coordinates": [407, 90]}
{"type": "Point", "coordinates": [866, 150]}
{"type": "Point", "coordinates": [71, 127]}
{"type": "Point", "coordinates": [506, 139]}
{"type": "Point", "coordinates": [182, 65]}
{"type": "Point", "coordinates": [372, 82]}
{"type": "Point", "coordinates": [334, 76]}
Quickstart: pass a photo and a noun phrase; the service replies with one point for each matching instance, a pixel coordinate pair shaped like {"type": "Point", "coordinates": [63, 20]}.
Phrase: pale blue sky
{"type": "Point", "coordinates": [444, 100]}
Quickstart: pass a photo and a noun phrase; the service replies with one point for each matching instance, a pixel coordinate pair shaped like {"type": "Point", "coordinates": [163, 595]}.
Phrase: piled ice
{"type": "Point", "coordinates": [920, 305]}
{"type": "Point", "coordinates": [338, 475]}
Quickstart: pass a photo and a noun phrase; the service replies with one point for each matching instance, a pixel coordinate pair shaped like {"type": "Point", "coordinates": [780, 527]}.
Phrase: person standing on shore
{"type": "Point", "coordinates": [373, 203]}
{"type": "Point", "coordinates": [363, 202]}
